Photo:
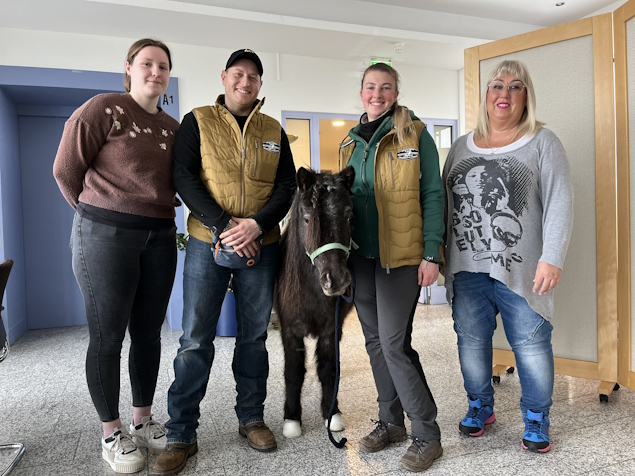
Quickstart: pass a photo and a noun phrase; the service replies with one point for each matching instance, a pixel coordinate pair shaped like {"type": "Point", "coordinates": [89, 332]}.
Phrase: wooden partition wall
{"type": "Point", "coordinates": [571, 66]}
{"type": "Point", "coordinates": [624, 24]}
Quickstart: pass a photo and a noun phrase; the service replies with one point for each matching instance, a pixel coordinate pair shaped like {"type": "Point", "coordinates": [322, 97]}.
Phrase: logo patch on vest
{"type": "Point", "coordinates": [271, 146]}
{"type": "Point", "coordinates": [408, 154]}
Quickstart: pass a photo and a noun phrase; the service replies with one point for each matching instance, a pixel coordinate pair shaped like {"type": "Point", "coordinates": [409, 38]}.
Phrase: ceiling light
{"type": "Point", "coordinates": [559, 4]}
{"type": "Point", "coordinates": [338, 123]}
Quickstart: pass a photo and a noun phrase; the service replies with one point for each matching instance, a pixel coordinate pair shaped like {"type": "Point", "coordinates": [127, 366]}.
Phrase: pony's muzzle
{"type": "Point", "coordinates": [335, 282]}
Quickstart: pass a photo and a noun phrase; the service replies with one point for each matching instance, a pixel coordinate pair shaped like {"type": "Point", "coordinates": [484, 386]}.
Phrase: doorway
{"type": "Point", "coordinates": [36, 219]}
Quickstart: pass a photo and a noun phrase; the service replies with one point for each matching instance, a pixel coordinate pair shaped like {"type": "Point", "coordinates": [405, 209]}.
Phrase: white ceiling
{"type": "Point", "coordinates": [434, 33]}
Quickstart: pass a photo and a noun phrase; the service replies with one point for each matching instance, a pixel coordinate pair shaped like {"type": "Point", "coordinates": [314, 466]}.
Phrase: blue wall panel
{"type": "Point", "coordinates": [53, 297]}
{"type": "Point", "coordinates": [11, 242]}
{"type": "Point", "coordinates": [42, 275]}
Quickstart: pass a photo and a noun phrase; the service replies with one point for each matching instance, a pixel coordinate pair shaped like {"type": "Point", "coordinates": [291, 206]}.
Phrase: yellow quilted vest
{"type": "Point", "coordinates": [238, 168]}
{"type": "Point", "coordinates": [397, 198]}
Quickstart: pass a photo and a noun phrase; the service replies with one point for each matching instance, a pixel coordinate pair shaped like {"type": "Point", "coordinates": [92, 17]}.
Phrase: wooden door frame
{"type": "Point", "coordinates": [624, 311]}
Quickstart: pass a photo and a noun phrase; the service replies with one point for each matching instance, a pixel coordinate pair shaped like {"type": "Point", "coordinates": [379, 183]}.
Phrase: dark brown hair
{"type": "Point", "coordinates": [134, 50]}
{"type": "Point", "coordinates": [401, 117]}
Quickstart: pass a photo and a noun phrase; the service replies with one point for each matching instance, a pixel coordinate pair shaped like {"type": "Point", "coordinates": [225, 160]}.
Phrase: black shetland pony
{"type": "Point", "coordinates": [307, 288]}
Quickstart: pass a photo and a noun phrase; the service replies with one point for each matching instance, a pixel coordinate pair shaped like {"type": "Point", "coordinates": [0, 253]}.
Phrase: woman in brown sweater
{"type": "Point", "coordinates": [114, 167]}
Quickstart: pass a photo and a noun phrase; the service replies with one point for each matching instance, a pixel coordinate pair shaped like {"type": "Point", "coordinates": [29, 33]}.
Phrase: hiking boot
{"type": "Point", "coordinates": [421, 455]}
{"type": "Point", "coordinates": [382, 436]}
{"type": "Point", "coordinates": [120, 452]}
{"type": "Point", "coordinates": [259, 436]}
{"type": "Point", "coordinates": [149, 434]}
{"type": "Point", "coordinates": [173, 458]}
{"type": "Point", "coordinates": [536, 437]}
{"type": "Point", "coordinates": [473, 423]}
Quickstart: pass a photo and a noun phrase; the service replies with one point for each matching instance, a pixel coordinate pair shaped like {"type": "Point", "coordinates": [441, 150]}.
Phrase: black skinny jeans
{"type": "Point", "coordinates": [126, 277]}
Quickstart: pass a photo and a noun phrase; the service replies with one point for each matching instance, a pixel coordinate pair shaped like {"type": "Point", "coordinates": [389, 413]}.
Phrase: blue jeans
{"type": "Point", "coordinates": [204, 287]}
{"type": "Point", "coordinates": [478, 298]}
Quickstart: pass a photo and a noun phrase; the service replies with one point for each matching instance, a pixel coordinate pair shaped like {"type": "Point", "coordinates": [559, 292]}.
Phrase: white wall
{"type": "Point", "coordinates": [461, 75]}
{"type": "Point", "coordinates": [608, 9]}
{"type": "Point", "coordinates": [306, 84]}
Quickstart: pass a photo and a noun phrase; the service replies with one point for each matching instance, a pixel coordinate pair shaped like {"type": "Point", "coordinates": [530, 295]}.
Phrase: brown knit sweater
{"type": "Point", "coordinates": [117, 156]}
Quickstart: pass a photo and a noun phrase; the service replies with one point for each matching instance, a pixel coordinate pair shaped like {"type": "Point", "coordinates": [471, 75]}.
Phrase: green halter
{"type": "Point", "coordinates": [332, 246]}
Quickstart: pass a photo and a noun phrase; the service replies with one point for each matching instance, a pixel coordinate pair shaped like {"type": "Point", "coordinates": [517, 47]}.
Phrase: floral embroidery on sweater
{"type": "Point", "coordinates": [135, 128]}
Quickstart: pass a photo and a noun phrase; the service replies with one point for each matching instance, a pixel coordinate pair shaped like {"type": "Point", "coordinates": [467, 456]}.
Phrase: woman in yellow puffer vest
{"type": "Point", "coordinates": [398, 223]}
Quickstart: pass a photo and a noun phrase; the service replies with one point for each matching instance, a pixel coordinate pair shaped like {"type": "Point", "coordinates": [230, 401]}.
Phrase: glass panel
{"type": "Point", "coordinates": [443, 141]}
{"type": "Point", "coordinates": [332, 132]}
{"type": "Point", "coordinates": [299, 133]}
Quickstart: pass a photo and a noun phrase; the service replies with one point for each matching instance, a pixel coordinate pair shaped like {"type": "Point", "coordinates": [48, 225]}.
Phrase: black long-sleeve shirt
{"type": "Point", "coordinates": [192, 190]}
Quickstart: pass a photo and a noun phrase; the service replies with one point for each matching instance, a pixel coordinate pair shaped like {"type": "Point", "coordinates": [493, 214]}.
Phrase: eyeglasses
{"type": "Point", "coordinates": [514, 88]}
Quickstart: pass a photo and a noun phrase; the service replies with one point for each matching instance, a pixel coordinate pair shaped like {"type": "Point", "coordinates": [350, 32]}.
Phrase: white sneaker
{"type": "Point", "coordinates": [121, 453]}
{"type": "Point", "coordinates": [149, 434]}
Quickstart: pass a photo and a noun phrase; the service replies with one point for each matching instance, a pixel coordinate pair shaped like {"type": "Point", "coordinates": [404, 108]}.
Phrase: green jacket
{"type": "Point", "coordinates": [398, 196]}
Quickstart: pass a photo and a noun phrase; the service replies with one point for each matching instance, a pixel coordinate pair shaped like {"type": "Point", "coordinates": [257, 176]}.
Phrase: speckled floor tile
{"type": "Point", "coordinates": [621, 469]}
{"type": "Point", "coordinates": [44, 400]}
{"type": "Point", "coordinates": [307, 463]}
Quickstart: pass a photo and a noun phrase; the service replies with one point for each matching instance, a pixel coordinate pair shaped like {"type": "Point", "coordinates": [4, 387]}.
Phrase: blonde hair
{"type": "Point", "coordinates": [401, 117]}
{"type": "Point", "coordinates": [134, 50]}
{"type": "Point", "coordinates": [528, 123]}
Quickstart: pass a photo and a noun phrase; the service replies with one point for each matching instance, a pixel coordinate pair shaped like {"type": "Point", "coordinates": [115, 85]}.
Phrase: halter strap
{"type": "Point", "coordinates": [332, 246]}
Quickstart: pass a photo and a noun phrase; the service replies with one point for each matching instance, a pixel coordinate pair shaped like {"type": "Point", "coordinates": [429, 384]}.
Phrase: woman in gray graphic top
{"type": "Point", "coordinates": [509, 218]}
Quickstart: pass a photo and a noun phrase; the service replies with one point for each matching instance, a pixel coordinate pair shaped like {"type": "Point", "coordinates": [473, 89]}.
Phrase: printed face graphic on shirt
{"type": "Point", "coordinates": [489, 197]}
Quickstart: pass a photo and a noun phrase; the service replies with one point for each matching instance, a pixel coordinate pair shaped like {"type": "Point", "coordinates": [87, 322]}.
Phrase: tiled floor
{"type": "Point", "coordinates": [44, 403]}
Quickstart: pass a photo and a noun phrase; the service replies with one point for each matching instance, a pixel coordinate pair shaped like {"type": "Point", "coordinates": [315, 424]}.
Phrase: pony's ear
{"type": "Point", "coordinates": [305, 179]}
{"type": "Point", "coordinates": [348, 174]}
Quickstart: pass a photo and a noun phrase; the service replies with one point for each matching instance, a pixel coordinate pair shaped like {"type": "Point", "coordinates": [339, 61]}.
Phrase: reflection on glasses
{"type": "Point", "coordinates": [514, 88]}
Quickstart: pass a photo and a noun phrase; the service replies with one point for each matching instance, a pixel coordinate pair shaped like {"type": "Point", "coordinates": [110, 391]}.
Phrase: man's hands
{"type": "Point", "coordinates": [242, 236]}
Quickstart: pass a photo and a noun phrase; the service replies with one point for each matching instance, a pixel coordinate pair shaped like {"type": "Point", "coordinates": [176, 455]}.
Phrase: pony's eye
{"type": "Point", "coordinates": [306, 219]}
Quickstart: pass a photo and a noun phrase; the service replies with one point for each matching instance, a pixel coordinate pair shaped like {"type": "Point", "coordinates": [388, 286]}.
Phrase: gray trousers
{"type": "Point", "coordinates": [386, 306]}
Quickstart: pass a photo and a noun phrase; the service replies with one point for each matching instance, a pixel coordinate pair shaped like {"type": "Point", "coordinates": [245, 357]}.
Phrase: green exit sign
{"type": "Point", "coordinates": [385, 61]}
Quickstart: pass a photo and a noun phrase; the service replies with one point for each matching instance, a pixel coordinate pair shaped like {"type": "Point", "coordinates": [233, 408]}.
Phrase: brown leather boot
{"type": "Point", "coordinates": [258, 436]}
{"type": "Point", "coordinates": [421, 455]}
{"type": "Point", "coordinates": [173, 458]}
{"type": "Point", "coordinates": [383, 434]}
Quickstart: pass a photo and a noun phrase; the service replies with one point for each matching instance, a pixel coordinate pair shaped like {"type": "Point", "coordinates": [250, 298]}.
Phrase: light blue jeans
{"type": "Point", "coordinates": [478, 298]}
{"type": "Point", "coordinates": [204, 287]}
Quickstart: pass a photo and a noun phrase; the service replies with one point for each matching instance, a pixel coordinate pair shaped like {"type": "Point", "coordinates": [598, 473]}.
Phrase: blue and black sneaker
{"type": "Point", "coordinates": [536, 437]}
{"type": "Point", "coordinates": [473, 424]}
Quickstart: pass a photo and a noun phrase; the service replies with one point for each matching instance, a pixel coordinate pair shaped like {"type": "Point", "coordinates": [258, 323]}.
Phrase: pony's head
{"type": "Point", "coordinates": [324, 217]}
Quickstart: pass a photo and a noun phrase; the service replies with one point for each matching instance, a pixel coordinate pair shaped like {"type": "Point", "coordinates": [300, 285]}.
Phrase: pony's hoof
{"type": "Point", "coordinates": [337, 423]}
{"type": "Point", "coordinates": [291, 429]}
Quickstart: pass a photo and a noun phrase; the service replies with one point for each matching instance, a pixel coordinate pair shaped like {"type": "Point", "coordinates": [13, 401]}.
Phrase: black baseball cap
{"type": "Point", "coordinates": [244, 54]}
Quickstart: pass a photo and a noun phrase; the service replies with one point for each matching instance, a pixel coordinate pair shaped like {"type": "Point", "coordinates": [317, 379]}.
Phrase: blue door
{"type": "Point", "coordinates": [53, 298]}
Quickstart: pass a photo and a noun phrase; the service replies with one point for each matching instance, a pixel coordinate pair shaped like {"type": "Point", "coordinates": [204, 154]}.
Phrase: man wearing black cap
{"type": "Point", "coordinates": [234, 170]}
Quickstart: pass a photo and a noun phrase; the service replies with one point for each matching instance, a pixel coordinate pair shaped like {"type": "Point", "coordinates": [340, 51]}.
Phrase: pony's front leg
{"type": "Point", "coordinates": [325, 352]}
{"type": "Point", "coordinates": [294, 370]}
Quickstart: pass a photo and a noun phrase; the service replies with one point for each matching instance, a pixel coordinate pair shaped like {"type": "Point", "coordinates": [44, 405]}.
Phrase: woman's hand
{"type": "Point", "coordinates": [547, 277]}
{"type": "Point", "coordinates": [242, 236]}
{"type": "Point", "coordinates": [428, 273]}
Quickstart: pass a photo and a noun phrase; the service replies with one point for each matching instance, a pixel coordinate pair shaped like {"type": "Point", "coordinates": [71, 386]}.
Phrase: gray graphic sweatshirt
{"type": "Point", "coordinates": [508, 210]}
